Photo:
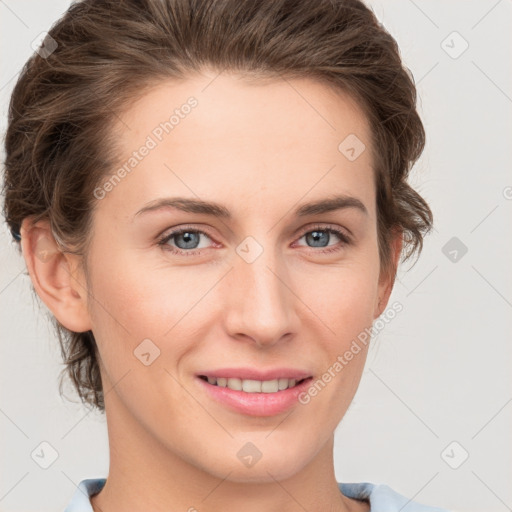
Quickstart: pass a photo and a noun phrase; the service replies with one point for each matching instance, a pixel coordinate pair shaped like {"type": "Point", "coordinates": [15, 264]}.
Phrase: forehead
{"type": "Point", "coordinates": [225, 137]}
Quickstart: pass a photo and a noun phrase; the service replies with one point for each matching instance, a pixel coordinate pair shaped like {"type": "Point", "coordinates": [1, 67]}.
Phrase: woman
{"type": "Point", "coordinates": [211, 198]}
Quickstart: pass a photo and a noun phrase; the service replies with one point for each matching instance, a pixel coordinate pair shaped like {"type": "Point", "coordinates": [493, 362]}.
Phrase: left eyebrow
{"type": "Point", "coordinates": [338, 202]}
{"type": "Point", "coordinates": [190, 205]}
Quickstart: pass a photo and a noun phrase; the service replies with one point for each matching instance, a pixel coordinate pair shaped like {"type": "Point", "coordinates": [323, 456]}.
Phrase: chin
{"type": "Point", "coordinates": [260, 473]}
{"type": "Point", "coordinates": [266, 469]}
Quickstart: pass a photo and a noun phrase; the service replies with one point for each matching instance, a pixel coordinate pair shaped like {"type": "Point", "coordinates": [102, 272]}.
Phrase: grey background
{"type": "Point", "coordinates": [438, 373]}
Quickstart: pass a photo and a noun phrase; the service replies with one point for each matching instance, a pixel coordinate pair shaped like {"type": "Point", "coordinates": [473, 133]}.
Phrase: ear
{"type": "Point", "coordinates": [56, 276]}
{"type": "Point", "coordinates": [387, 277]}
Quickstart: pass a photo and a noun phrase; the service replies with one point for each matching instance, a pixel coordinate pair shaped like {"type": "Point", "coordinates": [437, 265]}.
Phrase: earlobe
{"type": "Point", "coordinates": [55, 276]}
{"type": "Point", "coordinates": [387, 280]}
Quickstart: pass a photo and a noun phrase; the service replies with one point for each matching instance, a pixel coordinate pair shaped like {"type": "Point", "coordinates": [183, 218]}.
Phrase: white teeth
{"type": "Point", "coordinates": [283, 384]}
{"type": "Point", "coordinates": [253, 386]}
{"type": "Point", "coordinates": [235, 384]}
{"type": "Point", "coordinates": [270, 386]}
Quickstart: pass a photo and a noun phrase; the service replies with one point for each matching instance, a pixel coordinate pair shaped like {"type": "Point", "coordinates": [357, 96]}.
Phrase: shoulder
{"type": "Point", "coordinates": [384, 499]}
{"type": "Point", "coordinates": [80, 501]}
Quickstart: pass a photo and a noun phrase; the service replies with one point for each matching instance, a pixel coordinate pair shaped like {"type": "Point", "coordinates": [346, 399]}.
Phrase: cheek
{"type": "Point", "coordinates": [343, 298]}
{"type": "Point", "coordinates": [134, 301]}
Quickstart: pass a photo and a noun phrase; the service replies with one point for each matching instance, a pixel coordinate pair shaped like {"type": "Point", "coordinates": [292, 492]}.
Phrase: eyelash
{"type": "Point", "coordinates": [162, 241]}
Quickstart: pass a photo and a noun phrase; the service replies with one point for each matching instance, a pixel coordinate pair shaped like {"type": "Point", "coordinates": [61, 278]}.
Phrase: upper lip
{"type": "Point", "coordinates": [255, 374]}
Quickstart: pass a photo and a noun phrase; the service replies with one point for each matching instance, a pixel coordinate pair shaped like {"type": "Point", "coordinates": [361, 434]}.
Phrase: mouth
{"type": "Point", "coordinates": [254, 386]}
{"type": "Point", "coordinates": [252, 397]}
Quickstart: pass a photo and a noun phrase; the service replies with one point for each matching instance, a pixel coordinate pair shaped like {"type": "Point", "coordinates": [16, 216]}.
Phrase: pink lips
{"type": "Point", "coordinates": [256, 404]}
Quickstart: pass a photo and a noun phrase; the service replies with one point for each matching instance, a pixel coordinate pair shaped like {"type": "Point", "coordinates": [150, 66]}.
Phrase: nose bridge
{"type": "Point", "coordinates": [260, 303]}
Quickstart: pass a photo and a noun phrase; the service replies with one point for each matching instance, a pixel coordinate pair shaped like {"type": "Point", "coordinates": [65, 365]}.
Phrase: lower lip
{"type": "Point", "coordinates": [256, 404]}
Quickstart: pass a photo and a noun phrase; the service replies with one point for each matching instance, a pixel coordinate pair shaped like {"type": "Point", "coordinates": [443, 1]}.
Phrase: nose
{"type": "Point", "coordinates": [260, 305]}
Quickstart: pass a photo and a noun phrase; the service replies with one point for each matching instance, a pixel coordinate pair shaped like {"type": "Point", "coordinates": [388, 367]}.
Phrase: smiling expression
{"type": "Point", "coordinates": [244, 238]}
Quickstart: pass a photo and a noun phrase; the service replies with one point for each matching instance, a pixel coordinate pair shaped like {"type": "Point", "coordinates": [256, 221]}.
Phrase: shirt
{"type": "Point", "coordinates": [381, 497]}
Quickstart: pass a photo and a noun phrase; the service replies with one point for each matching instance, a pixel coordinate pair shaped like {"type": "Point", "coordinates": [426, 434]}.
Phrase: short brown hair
{"type": "Point", "coordinates": [59, 137]}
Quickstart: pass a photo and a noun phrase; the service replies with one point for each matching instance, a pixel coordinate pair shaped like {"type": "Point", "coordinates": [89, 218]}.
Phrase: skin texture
{"type": "Point", "coordinates": [260, 150]}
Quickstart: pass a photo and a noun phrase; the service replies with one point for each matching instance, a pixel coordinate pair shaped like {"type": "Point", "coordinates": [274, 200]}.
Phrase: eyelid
{"type": "Point", "coordinates": [346, 240]}
{"type": "Point", "coordinates": [299, 232]}
{"type": "Point", "coordinates": [324, 226]}
{"type": "Point", "coordinates": [168, 233]}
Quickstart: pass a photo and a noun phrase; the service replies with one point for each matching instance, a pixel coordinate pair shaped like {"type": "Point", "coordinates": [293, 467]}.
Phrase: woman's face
{"type": "Point", "coordinates": [259, 287]}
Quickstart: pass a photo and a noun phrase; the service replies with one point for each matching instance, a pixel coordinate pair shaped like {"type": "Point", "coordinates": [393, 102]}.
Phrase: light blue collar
{"type": "Point", "coordinates": [381, 497]}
